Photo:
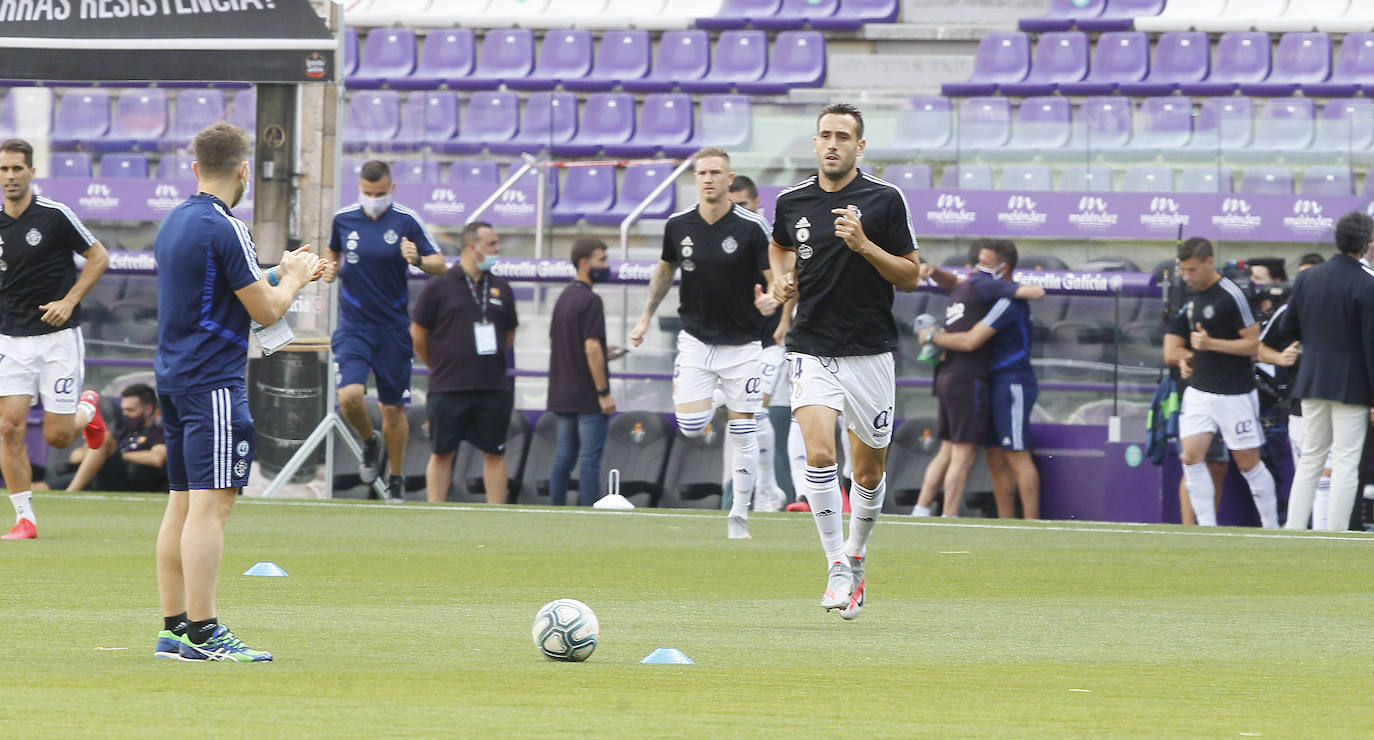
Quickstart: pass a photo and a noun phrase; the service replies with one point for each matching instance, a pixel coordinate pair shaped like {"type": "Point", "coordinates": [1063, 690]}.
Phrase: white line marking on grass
{"type": "Point", "coordinates": [889, 520]}
{"type": "Point", "coordinates": [1082, 691]}
{"type": "Point", "coordinates": [954, 552]}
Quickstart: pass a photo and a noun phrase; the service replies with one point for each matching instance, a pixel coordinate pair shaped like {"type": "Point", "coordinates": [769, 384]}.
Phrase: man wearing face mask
{"type": "Point", "coordinates": [579, 379]}
{"type": "Point", "coordinates": [371, 247]}
{"type": "Point", "coordinates": [463, 328]}
{"type": "Point", "coordinates": [134, 458]}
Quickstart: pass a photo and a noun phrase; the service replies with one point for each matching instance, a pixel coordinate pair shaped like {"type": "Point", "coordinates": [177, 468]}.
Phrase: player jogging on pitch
{"type": "Point", "coordinates": [849, 237]}
{"type": "Point", "coordinates": [41, 348]}
{"type": "Point", "coordinates": [721, 247]}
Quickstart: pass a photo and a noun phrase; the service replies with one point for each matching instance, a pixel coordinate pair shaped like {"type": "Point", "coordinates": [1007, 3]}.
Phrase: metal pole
{"type": "Point", "coordinates": [540, 191]}
{"type": "Point", "coordinates": [510, 182]}
{"type": "Point", "coordinates": [630, 218]}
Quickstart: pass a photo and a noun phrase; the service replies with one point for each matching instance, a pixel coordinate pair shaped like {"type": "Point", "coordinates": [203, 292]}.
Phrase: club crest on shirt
{"type": "Point", "coordinates": [33, 237]}
{"type": "Point", "coordinates": [687, 251]}
{"type": "Point", "coordinates": [390, 237]}
{"type": "Point", "coordinates": [688, 265]}
{"type": "Point", "coordinates": [804, 251]}
{"type": "Point", "coordinates": [240, 468]}
{"type": "Point", "coordinates": [242, 449]}
{"type": "Point", "coordinates": [1208, 312]}
{"type": "Point", "coordinates": [803, 234]}
{"type": "Point", "coordinates": [351, 258]}
{"type": "Point", "coordinates": [729, 245]}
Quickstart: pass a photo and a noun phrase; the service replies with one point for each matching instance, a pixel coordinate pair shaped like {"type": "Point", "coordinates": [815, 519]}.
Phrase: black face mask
{"type": "Point", "coordinates": [133, 422]}
{"type": "Point", "coordinates": [599, 274]}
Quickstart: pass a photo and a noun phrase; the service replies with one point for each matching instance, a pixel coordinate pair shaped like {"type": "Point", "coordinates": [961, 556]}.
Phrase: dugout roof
{"type": "Point", "coordinates": [174, 40]}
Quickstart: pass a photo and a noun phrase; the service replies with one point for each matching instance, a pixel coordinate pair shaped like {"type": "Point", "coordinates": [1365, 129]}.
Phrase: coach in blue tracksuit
{"type": "Point", "coordinates": [208, 287]}
{"type": "Point", "coordinates": [370, 246]}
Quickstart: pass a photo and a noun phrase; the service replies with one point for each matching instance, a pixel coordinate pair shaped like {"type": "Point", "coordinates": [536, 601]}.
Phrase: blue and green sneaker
{"type": "Point", "coordinates": [169, 644]}
{"type": "Point", "coordinates": [223, 645]}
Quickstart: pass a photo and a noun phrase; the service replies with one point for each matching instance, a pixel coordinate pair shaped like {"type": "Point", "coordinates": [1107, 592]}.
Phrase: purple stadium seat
{"type": "Point", "coordinates": [725, 121]}
{"type": "Point", "coordinates": [1086, 178]}
{"type": "Point", "coordinates": [984, 124]}
{"type": "Point", "coordinates": [441, 116]}
{"type": "Point", "coordinates": [123, 166]}
{"type": "Point", "coordinates": [908, 176]}
{"type": "Point", "coordinates": [922, 124]}
{"type": "Point", "coordinates": [474, 173]}
{"type": "Point", "coordinates": [409, 171]}
{"type": "Point", "coordinates": [1180, 56]}
{"type": "Point", "coordinates": [1302, 58]}
{"type": "Point", "coordinates": [243, 111]}
{"type": "Point", "coordinates": [447, 54]}
{"type": "Point", "coordinates": [1104, 126]}
{"type": "Point", "coordinates": [1001, 58]}
{"type": "Point", "coordinates": [1284, 127]}
{"type": "Point", "coordinates": [1041, 124]}
{"type": "Point", "coordinates": [1354, 69]}
{"type": "Point", "coordinates": [1025, 177]}
{"type": "Point", "coordinates": [1062, 15]}
{"type": "Point", "coordinates": [83, 117]}
{"type": "Point", "coordinates": [585, 190]}
{"type": "Point", "coordinates": [1121, 56]}
{"type": "Point", "coordinates": [737, 13]}
{"type": "Point", "coordinates": [795, 14]}
{"type": "Point", "coordinates": [682, 56]}
{"type": "Point", "coordinates": [175, 167]}
{"type": "Point", "coordinates": [1267, 181]}
{"type": "Point", "coordinates": [1242, 56]}
{"type": "Point", "coordinates": [665, 119]}
{"type": "Point", "coordinates": [853, 14]}
{"type": "Point", "coordinates": [492, 117]}
{"type": "Point", "coordinates": [1059, 57]}
{"type": "Point", "coordinates": [410, 136]}
{"type": "Point", "coordinates": [1328, 180]}
{"type": "Point", "coordinates": [1221, 124]}
{"type": "Point", "coordinates": [374, 118]}
{"type": "Point", "coordinates": [640, 180]}
{"type": "Point", "coordinates": [565, 55]}
{"type": "Point", "coordinates": [350, 52]}
{"type": "Point", "coordinates": [798, 60]}
{"type": "Point", "coordinates": [1208, 179]}
{"type": "Point", "coordinates": [1148, 179]}
{"type": "Point", "coordinates": [607, 118]}
{"type": "Point", "coordinates": [388, 54]}
{"type": "Point", "coordinates": [69, 164]}
{"type": "Point", "coordinates": [195, 109]}
{"type": "Point", "coordinates": [622, 55]}
{"type": "Point", "coordinates": [507, 54]}
{"type": "Point", "coordinates": [740, 56]}
{"type": "Point", "coordinates": [1345, 126]}
{"type": "Point", "coordinates": [547, 120]}
{"type": "Point", "coordinates": [140, 121]}
{"type": "Point", "coordinates": [1161, 124]}
{"type": "Point", "coordinates": [351, 169]}
{"type": "Point", "coordinates": [966, 177]}
{"type": "Point", "coordinates": [1120, 15]}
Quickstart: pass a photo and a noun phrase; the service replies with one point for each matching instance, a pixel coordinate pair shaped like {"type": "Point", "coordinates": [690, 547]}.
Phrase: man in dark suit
{"type": "Point", "coordinates": [1332, 314]}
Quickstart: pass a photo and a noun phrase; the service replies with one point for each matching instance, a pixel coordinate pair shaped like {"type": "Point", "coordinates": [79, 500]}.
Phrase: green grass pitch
{"type": "Point", "coordinates": [415, 621]}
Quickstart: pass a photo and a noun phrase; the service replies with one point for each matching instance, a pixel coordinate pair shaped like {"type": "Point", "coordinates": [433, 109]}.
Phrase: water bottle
{"type": "Point", "coordinates": [930, 354]}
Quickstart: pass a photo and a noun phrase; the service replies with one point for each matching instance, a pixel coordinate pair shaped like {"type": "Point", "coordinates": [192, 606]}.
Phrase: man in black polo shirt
{"type": "Point", "coordinates": [463, 326]}
{"type": "Point", "coordinates": [1213, 340]}
{"type": "Point", "coordinates": [579, 379]}
{"type": "Point", "coordinates": [134, 458]}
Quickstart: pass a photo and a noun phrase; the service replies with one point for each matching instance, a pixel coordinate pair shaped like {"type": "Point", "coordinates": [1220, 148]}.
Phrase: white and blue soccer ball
{"type": "Point", "coordinates": [566, 630]}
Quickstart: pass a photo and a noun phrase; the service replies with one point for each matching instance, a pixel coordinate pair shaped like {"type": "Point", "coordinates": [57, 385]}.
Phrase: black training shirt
{"type": "Point", "coordinates": [1223, 311]}
{"type": "Point", "coordinates": [449, 307]}
{"type": "Point", "coordinates": [844, 305]}
{"type": "Point", "coordinates": [36, 265]}
{"type": "Point", "coordinates": [720, 265]}
{"type": "Point", "coordinates": [577, 316]}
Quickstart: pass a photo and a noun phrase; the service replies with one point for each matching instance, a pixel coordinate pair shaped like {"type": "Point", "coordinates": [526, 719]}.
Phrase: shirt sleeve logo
{"type": "Point", "coordinates": [688, 265]}
{"type": "Point", "coordinates": [804, 251]}
{"type": "Point", "coordinates": [33, 237]}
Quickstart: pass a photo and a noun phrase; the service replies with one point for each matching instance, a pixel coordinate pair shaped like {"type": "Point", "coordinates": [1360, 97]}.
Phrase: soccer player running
{"type": "Point", "coordinates": [208, 288]}
{"type": "Point", "coordinates": [849, 237]}
{"type": "Point", "coordinates": [721, 248]}
{"type": "Point", "coordinates": [41, 347]}
{"type": "Point", "coordinates": [1212, 339]}
{"type": "Point", "coordinates": [371, 244]}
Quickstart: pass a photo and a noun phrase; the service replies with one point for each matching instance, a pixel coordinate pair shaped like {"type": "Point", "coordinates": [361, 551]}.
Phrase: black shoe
{"type": "Point", "coordinates": [396, 490]}
{"type": "Point", "coordinates": [374, 456]}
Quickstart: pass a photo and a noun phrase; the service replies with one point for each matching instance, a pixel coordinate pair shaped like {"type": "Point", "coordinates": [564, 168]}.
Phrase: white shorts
{"type": "Point", "coordinates": [771, 362]}
{"type": "Point", "coordinates": [1297, 429]}
{"type": "Point", "coordinates": [863, 388]}
{"type": "Point", "coordinates": [1236, 417]}
{"type": "Point", "coordinates": [50, 367]}
{"type": "Point", "coordinates": [700, 366]}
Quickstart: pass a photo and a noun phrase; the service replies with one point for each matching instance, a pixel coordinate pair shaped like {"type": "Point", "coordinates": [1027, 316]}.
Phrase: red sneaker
{"type": "Point", "coordinates": [23, 529]}
{"type": "Point", "coordinates": [95, 428]}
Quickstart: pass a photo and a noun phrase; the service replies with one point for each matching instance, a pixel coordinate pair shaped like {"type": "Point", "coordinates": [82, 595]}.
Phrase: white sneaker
{"type": "Point", "coordinates": [856, 598]}
{"type": "Point", "coordinates": [769, 499]}
{"type": "Point", "coordinates": [737, 528]}
{"type": "Point", "coordinates": [840, 586]}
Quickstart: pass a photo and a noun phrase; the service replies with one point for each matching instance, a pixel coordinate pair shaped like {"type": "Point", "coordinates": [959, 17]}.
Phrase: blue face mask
{"type": "Point", "coordinates": [488, 261]}
{"type": "Point", "coordinates": [599, 274]}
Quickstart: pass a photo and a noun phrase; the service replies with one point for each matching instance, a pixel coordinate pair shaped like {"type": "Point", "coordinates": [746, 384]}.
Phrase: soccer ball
{"type": "Point", "coordinates": [565, 630]}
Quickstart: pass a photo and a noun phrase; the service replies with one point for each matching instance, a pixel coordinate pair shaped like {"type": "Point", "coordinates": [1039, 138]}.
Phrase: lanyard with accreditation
{"type": "Point", "coordinates": [483, 331]}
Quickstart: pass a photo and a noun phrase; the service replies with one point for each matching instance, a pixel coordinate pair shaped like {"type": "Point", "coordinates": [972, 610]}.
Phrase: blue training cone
{"type": "Point", "coordinates": [266, 569]}
{"type": "Point", "coordinates": [668, 656]}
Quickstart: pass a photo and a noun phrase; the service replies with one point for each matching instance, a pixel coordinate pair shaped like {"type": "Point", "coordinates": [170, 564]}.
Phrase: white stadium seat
{"type": "Point", "coordinates": [1181, 15]}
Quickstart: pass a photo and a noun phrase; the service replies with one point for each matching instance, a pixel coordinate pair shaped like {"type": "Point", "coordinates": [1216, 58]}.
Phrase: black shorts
{"type": "Point", "coordinates": [481, 418]}
{"type": "Point", "coordinates": [963, 414]}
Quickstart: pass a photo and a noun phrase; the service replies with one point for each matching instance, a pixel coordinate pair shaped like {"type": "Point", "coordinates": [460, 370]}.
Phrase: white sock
{"type": "Point", "coordinates": [918, 511]}
{"type": "Point", "coordinates": [864, 508]}
{"type": "Point", "coordinates": [1201, 493]}
{"type": "Point", "coordinates": [846, 460]}
{"type": "Point", "coordinates": [744, 463]}
{"type": "Point", "coordinates": [1322, 503]}
{"type": "Point", "coordinates": [1262, 490]}
{"type": "Point", "coordinates": [822, 486]}
{"type": "Point", "coordinates": [796, 458]}
{"type": "Point", "coordinates": [767, 479]}
{"type": "Point", "coordinates": [23, 506]}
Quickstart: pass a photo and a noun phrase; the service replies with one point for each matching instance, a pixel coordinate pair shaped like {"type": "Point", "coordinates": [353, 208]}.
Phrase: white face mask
{"type": "Point", "coordinates": [996, 272]}
{"type": "Point", "coordinates": [245, 182]}
{"type": "Point", "coordinates": [374, 207]}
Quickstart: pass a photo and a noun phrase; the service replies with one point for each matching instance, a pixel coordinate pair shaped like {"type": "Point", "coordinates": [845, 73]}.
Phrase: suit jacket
{"type": "Point", "coordinates": [1331, 312]}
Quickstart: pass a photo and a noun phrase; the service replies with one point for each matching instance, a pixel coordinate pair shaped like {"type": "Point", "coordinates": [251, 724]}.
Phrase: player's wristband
{"type": "Point", "coordinates": [273, 278]}
{"type": "Point", "coordinates": [604, 392]}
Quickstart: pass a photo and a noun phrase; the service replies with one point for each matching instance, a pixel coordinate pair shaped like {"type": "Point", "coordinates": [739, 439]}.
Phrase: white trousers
{"type": "Point", "coordinates": [1330, 428]}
